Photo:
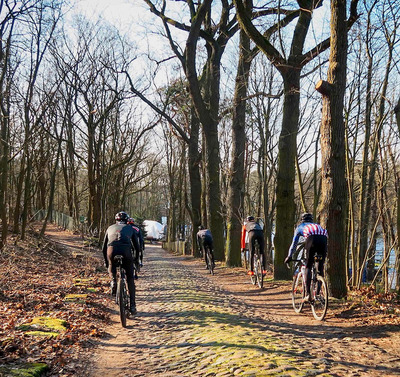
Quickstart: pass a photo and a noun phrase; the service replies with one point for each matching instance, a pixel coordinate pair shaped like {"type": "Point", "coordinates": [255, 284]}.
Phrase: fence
{"type": "Point", "coordinates": [180, 247]}
{"type": "Point", "coordinates": [61, 219]}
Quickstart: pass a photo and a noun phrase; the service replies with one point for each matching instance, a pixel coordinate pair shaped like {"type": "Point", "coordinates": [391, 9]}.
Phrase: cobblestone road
{"type": "Point", "coordinates": [192, 324]}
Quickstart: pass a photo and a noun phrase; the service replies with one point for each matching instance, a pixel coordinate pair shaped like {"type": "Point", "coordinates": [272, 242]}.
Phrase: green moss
{"type": "Point", "coordinates": [46, 324]}
{"type": "Point", "coordinates": [81, 298]}
{"type": "Point", "coordinates": [24, 370]}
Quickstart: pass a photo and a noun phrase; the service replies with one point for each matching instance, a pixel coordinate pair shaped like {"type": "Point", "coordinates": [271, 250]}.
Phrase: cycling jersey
{"type": "Point", "coordinates": [204, 238]}
{"type": "Point", "coordinates": [310, 229]}
{"type": "Point", "coordinates": [246, 229]}
{"type": "Point", "coordinates": [305, 230]}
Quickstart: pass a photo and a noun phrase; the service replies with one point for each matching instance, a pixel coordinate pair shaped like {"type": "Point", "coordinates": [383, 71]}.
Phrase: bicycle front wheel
{"type": "Point", "coordinates": [319, 304]}
{"type": "Point", "coordinates": [210, 264]}
{"type": "Point", "coordinates": [122, 298]}
{"type": "Point", "coordinates": [298, 293]}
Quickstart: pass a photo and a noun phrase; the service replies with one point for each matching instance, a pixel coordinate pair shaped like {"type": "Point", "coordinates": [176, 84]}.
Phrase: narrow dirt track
{"type": "Point", "coordinates": [190, 323]}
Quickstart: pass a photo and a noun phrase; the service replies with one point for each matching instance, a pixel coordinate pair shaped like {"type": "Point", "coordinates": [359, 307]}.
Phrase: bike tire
{"type": "Point", "coordinates": [122, 301]}
{"type": "Point", "coordinates": [298, 292]}
{"type": "Point", "coordinates": [259, 272]}
{"type": "Point", "coordinates": [209, 261]}
{"type": "Point", "coordinates": [319, 303]}
{"type": "Point", "coordinates": [253, 277]}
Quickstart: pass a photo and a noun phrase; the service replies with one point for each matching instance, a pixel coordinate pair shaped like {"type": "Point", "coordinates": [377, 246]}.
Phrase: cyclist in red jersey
{"type": "Point", "coordinates": [315, 242]}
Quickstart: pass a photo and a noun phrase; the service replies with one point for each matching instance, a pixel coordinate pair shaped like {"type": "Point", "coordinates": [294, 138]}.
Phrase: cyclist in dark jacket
{"type": "Point", "coordinates": [120, 239]}
{"type": "Point", "coordinates": [204, 238]}
{"type": "Point", "coordinates": [255, 232]}
{"type": "Point", "coordinates": [315, 242]}
{"type": "Point", "coordinates": [139, 235]}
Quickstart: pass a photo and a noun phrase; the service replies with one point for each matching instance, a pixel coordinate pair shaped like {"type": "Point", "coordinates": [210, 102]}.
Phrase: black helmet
{"type": "Point", "coordinates": [131, 221]}
{"type": "Point", "coordinates": [201, 227]}
{"type": "Point", "coordinates": [122, 217]}
{"type": "Point", "coordinates": [250, 218]}
{"type": "Point", "coordinates": [307, 217]}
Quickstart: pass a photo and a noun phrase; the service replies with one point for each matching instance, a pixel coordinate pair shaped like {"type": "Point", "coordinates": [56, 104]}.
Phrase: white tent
{"type": "Point", "coordinates": [154, 229]}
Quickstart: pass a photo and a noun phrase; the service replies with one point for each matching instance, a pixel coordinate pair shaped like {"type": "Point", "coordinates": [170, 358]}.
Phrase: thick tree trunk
{"type": "Point", "coordinates": [195, 180]}
{"type": "Point", "coordinates": [334, 199]}
{"type": "Point", "coordinates": [236, 178]}
{"type": "Point", "coordinates": [285, 204]}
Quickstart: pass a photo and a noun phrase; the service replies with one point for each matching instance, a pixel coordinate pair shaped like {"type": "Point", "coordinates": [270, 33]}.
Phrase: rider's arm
{"type": "Point", "coordinates": [293, 246]}
{"type": "Point", "coordinates": [105, 244]}
{"type": "Point", "coordinates": [243, 238]}
{"type": "Point", "coordinates": [136, 247]}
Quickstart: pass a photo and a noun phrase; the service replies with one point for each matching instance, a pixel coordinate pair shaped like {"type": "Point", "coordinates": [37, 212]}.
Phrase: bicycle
{"type": "Point", "coordinates": [319, 290]}
{"type": "Point", "coordinates": [258, 277]}
{"type": "Point", "coordinates": [122, 296]}
{"type": "Point", "coordinates": [209, 259]}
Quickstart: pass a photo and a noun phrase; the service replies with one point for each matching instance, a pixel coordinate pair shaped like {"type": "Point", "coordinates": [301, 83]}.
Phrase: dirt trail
{"type": "Point", "coordinates": [192, 324]}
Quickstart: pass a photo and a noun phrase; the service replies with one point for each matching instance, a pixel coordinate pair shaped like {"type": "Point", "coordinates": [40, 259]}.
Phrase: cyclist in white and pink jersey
{"type": "Point", "coordinates": [315, 242]}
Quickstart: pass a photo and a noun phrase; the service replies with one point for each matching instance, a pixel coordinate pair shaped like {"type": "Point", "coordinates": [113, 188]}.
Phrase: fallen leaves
{"type": "Point", "coordinates": [34, 283]}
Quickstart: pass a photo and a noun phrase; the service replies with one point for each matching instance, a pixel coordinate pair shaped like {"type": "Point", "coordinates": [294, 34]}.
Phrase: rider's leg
{"type": "Point", "coordinates": [209, 242]}
{"type": "Point", "coordinates": [262, 244]}
{"type": "Point", "coordinates": [112, 270]}
{"type": "Point", "coordinates": [251, 249]}
{"type": "Point", "coordinates": [128, 265]}
{"type": "Point", "coordinates": [309, 253]}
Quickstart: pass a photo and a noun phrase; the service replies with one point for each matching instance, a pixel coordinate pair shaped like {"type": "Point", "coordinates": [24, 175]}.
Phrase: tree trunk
{"type": "Point", "coordinates": [236, 178]}
{"type": "Point", "coordinates": [285, 204]}
{"type": "Point", "coordinates": [52, 190]}
{"type": "Point", "coordinates": [334, 198]}
{"type": "Point", "coordinates": [397, 114]}
{"type": "Point", "coordinates": [195, 179]}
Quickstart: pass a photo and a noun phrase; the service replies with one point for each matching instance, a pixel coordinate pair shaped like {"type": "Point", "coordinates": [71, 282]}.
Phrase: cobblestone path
{"type": "Point", "coordinates": [192, 324]}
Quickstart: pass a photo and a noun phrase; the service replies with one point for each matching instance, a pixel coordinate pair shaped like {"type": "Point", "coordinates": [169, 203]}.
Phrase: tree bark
{"type": "Point", "coordinates": [236, 178]}
{"type": "Point", "coordinates": [334, 199]}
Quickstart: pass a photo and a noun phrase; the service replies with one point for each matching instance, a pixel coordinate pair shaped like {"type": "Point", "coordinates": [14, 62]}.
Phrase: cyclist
{"type": "Point", "coordinates": [204, 238]}
{"type": "Point", "coordinates": [139, 235]}
{"type": "Point", "coordinates": [120, 239]}
{"type": "Point", "coordinates": [254, 231]}
{"type": "Point", "coordinates": [315, 242]}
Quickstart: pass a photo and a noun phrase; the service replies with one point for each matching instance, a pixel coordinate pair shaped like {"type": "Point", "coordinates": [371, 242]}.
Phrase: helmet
{"type": "Point", "coordinates": [307, 217]}
{"type": "Point", "coordinates": [201, 227]}
{"type": "Point", "coordinates": [131, 221]}
{"type": "Point", "coordinates": [250, 218]}
{"type": "Point", "coordinates": [122, 217]}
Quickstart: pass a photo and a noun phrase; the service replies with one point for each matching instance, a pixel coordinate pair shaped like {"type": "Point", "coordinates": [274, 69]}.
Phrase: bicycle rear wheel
{"type": "Point", "coordinates": [298, 293]}
{"type": "Point", "coordinates": [259, 271]}
{"type": "Point", "coordinates": [122, 301]}
{"type": "Point", "coordinates": [210, 264]}
{"type": "Point", "coordinates": [319, 304]}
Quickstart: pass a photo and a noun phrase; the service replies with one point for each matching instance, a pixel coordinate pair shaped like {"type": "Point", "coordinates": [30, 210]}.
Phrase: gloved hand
{"type": "Point", "coordinates": [288, 259]}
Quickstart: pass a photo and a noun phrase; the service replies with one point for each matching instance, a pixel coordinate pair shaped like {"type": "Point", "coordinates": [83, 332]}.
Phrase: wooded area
{"type": "Point", "coordinates": [233, 108]}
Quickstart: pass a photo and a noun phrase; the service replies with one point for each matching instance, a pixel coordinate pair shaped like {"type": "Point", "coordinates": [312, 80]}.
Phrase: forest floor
{"type": "Point", "coordinates": [189, 323]}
